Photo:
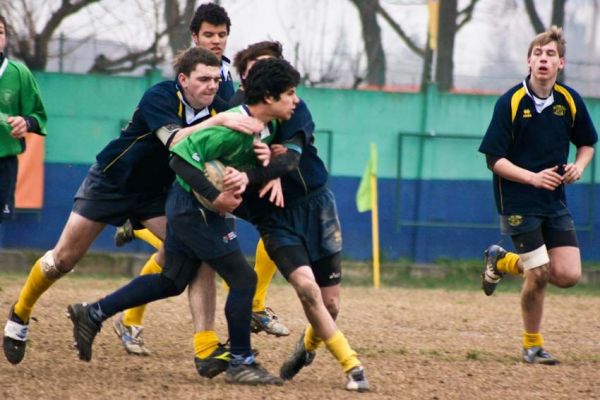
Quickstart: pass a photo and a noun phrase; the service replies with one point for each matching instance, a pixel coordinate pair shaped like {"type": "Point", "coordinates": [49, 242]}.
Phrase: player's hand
{"type": "Point", "coordinates": [227, 201]}
{"type": "Point", "coordinates": [548, 179]}
{"type": "Point", "coordinates": [263, 153]}
{"type": "Point", "coordinates": [572, 173]}
{"type": "Point", "coordinates": [235, 181]}
{"type": "Point", "coordinates": [240, 123]}
{"type": "Point", "coordinates": [19, 126]}
{"type": "Point", "coordinates": [278, 149]}
{"type": "Point", "coordinates": [276, 192]}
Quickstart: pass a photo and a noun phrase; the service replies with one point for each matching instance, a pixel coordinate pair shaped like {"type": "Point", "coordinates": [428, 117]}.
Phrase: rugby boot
{"type": "Point", "coordinates": [490, 276]}
{"type": "Point", "coordinates": [267, 321]}
{"type": "Point", "coordinates": [250, 373]}
{"type": "Point", "coordinates": [215, 363]}
{"type": "Point", "coordinates": [15, 338]}
{"type": "Point", "coordinates": [84, 329]}
{"type": "Point", "coordinates": [298, 360]}
{"type": "Point", "coordinates": [131, 337]}
{"type": "Point", "coordinates": [537, 355]}
{"type": "Point", "coordinates": [357, 381]}
{"type": "Point", "coordinates": [124, 234]}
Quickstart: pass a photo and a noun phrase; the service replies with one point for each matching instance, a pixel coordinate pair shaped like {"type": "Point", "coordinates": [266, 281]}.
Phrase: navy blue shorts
{"type": "Point", "coordinates": [194, 234]}
{"type": "Point", "coordinates": [311, 222]}
{"type": "Point", "coordinates": [8, 183]}
{"type": "Point", "coordinates": [529, 232]}
{"type": "Point", "coordinates": [98, 200]}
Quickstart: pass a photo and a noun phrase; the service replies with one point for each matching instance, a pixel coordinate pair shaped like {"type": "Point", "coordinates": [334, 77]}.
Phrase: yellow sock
{"type": "Point", "coordinates": [205, 342]}
{"type": "Point", "coordinates": [135, 316]}
{"type": "Point", "coordinates": [265, 270]}
{"type": "Point", "coordinates": [509, 264]}
{"type": "Point", "coordinates": [35, 285]}
{"type": "Point", "coordinates": [148, 237]}
{"type": "Point", "coordinates": [532, 340]}
{"type": "Point", "coordinates": [311, 340]}
{"type": "Point", "coordinates": [341, 350]}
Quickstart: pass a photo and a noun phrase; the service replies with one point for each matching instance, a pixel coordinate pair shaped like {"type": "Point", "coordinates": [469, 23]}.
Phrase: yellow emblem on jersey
{"type": "Point", "coordinates": [526, 113]}
{"type": "Point", "coordinates": [559, 110]}
{"type": "Point", "coordinates": [515, 220]}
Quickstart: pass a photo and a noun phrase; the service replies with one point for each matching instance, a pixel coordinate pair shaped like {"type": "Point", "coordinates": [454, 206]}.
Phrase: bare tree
{"type": "Point", "coordinates": [371, 32]}
{"type": "Point", "coordinates": [176, 30]}
{"type": "Point", "coordinates": [27, 42]}
{"type": "Point", "coordinates": [39, 23]}
{"type": "Point", "coordinates": [558, 15]}
{"type": "Point", "coordinates": [451, 21]}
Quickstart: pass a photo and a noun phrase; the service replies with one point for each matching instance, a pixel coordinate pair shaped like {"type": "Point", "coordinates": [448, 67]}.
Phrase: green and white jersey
{"type": "Point", "coordinates": [19, 96]}
{"type": "Point", "coordinates": [232, 148]}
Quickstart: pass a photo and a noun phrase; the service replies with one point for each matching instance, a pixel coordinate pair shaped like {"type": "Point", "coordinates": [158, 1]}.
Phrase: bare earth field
{"type": "Point", "coordinates": [415, 344]}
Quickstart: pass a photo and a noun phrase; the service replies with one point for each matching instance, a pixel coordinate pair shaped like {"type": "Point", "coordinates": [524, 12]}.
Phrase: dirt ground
{"type": "Point", "coordinates": [415, 344]}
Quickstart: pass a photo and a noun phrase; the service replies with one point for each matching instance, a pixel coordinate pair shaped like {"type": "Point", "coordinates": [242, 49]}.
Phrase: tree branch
{"type": "Point", "coordinates": [536, 22]}
{"type": "Point", "coordinates": [466, 14]}
{"type": "Point", "coordinates": [398, 29]}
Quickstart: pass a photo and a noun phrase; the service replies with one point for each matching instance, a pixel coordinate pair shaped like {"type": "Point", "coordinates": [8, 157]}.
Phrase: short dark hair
{"type": "Point", "coordinates": [255, 50]}
{"type": "Point", "coordinates": [212, 13]}
{"type": "Point", "coordinates": [185, 62]}
{"type": "Point", "coordinates": [270, 77]}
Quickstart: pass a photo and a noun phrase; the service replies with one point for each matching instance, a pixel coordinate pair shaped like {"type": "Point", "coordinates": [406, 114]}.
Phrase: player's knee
{"type": "Point", "coordinates": [53, 268]}
{"type": "Point", "coordinates": [308, 292]}
{"type": "Point", "coordinates": [538, 277]}
{"type": "Point", "coordinates": [567, 280]}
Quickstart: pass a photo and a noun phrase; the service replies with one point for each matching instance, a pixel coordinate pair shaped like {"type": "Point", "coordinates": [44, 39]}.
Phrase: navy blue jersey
{"type": "Point", "coordinates": [310, 175]}
{"type": "Point", "coordinates": [137, 161]}
{"type": "Point", "coordinates": [226, 89]}
{"type": "Point", "coordinates": [535, 141]}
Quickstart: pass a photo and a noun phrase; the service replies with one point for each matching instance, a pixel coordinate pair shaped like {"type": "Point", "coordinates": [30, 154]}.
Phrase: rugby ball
{"type": "Point", "coordinates": [214, 171]}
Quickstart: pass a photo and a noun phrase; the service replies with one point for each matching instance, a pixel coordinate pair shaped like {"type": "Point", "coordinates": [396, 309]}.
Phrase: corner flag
{"type": "Point", "coordinates": [366, 199]}
{"type": "Point", "coordinates": [364, 196]}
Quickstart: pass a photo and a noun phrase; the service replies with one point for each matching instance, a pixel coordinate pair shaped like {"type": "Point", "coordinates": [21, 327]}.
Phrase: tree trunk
{"type": "Point", "coordinates": [371, 33]}
{"type": "Point", "coordinates": [444, 70]}
{"type": "Point", "coordinates": [179, 34]}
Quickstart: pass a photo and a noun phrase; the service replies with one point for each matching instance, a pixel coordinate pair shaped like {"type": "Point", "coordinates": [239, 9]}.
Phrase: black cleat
{"type": "Point", "coordinates": [490, 277]}
{"type": "Point", "coordinates": [84, 329]}
{"type": "Point", "coordinates": [215, 363]}
{"type": "Point", "coordinates": [251, 374]}
{"type": "Point", "coordinates": [15, 338]}
{"type": "Point", "coordinates": [299, 359]}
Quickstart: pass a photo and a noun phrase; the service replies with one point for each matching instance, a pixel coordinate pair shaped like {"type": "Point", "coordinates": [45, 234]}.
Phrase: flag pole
{"type": "Point", "coordinates": [375, 231]}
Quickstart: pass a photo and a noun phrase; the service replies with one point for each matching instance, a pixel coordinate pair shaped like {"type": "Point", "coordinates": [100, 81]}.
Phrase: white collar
{"type": "Point", "coordinates": [190, 113]}
{"type": "Point", "coordinates": [540, 104]}
{"type": "Point", "coordinates": [225, 68]}
{"type": "Point", "coordinates": [3, 66]}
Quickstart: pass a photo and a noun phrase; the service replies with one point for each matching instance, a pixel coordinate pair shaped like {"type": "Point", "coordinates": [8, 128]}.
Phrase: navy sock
{"type": "Point", "coordinates": [142, 290]}
{"type": "Point", "coordinates": [238, 310]}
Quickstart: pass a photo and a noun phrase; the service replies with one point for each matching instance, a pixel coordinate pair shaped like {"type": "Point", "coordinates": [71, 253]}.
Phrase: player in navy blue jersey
{"type": "Point", "coordinates": [210, 29]}
{"type": "Point", "coordinates": [129, 179]}
{"type": "Point", "coordinates": [197, 235]}
{"type": "Point", "coordinates": [527, 148]}
{"type": "Point", "coordinates": [304, 237]}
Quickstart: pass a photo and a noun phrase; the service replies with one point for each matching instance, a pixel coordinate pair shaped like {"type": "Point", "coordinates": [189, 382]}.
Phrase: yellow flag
{"type": "Point", "coordinates": [365, 189]}
{"type": "Point", "coordinates": [434, 17]}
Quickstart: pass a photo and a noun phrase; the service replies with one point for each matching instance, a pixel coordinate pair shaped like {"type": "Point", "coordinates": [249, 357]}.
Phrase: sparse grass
{"type": "Point", "coordinates": [442, 274]}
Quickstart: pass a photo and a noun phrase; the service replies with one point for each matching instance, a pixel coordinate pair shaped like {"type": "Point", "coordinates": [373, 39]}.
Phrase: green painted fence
{"type": "Point", "coordinates": [86, 111]}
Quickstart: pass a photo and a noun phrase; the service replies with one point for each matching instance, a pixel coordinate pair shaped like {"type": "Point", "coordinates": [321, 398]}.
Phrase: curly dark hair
{"type": "Point", "coordinates": [212, 13]}
{"type": "Point", "coordinates": [270, 77]}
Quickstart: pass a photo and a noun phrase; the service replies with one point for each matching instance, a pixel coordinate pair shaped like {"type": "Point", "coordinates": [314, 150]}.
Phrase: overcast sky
{"type": "Point", "coordinates": [491, 47]}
